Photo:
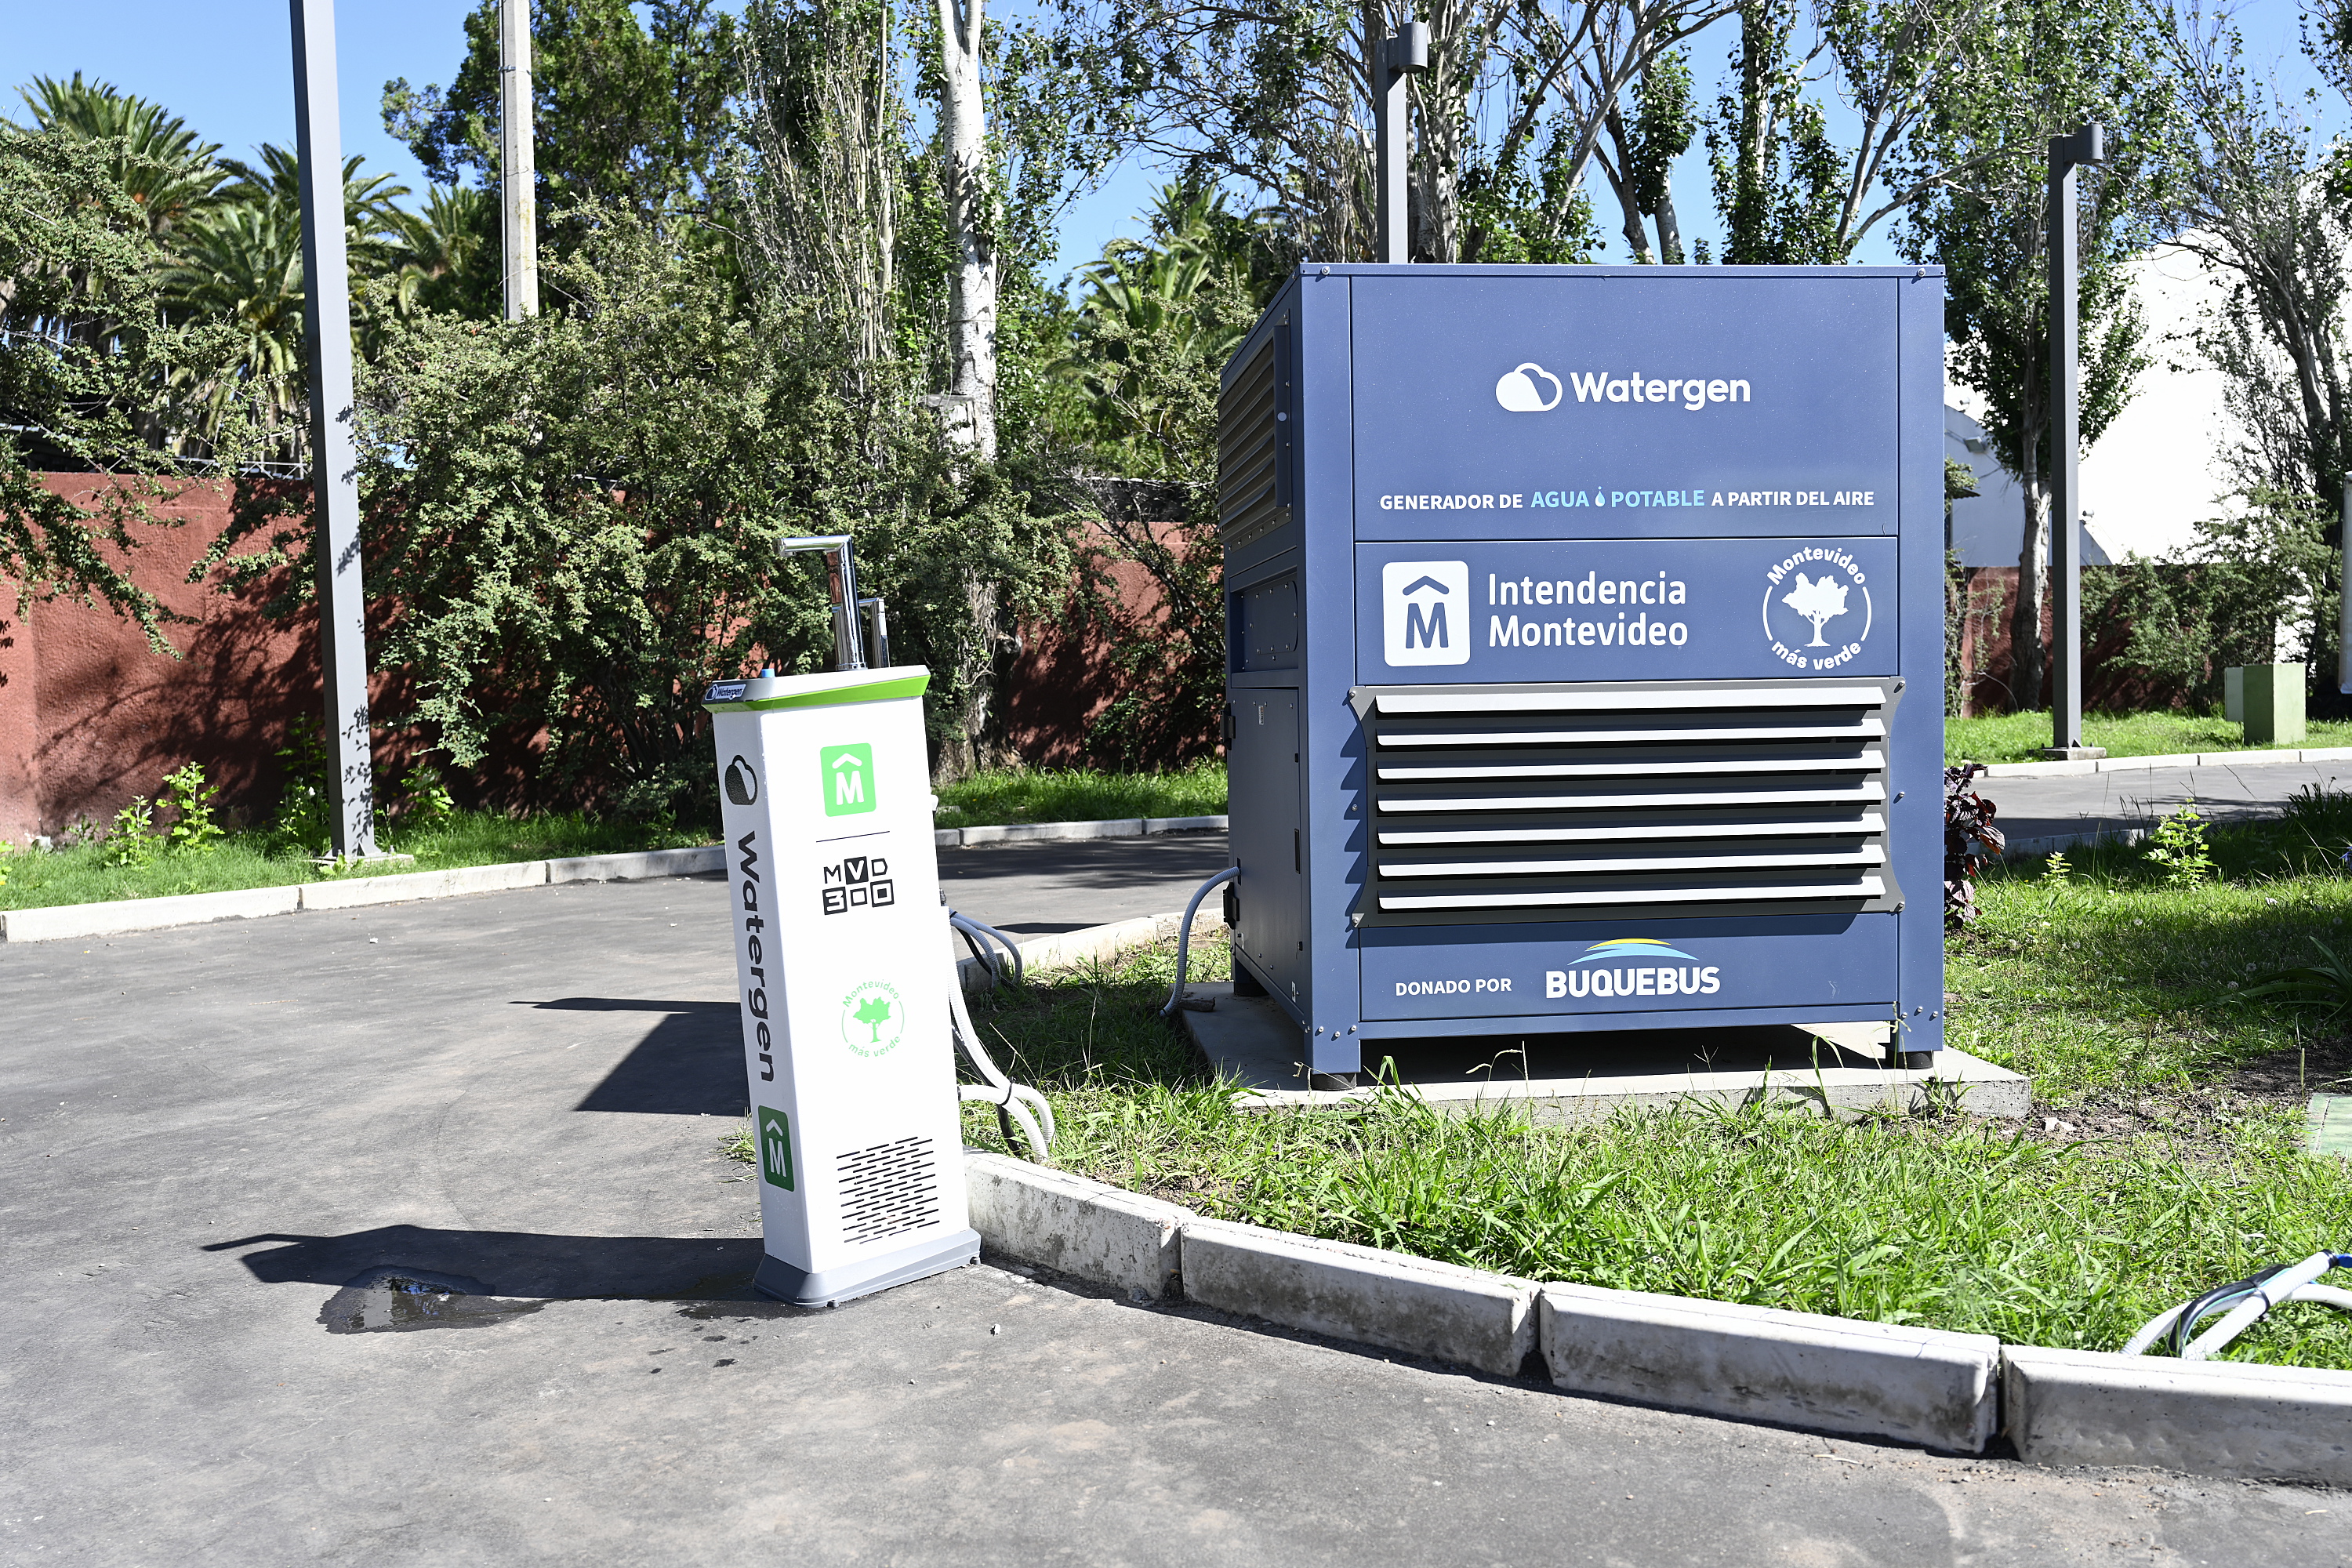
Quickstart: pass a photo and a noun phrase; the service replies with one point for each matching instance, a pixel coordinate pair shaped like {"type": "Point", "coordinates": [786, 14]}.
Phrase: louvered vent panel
{"type": "Point", "coordinates": [888, 1189]}
{"type": "Point", "coordinates": [1253, 445]}
{"type": "Point", "coordinates": [1627, 801]}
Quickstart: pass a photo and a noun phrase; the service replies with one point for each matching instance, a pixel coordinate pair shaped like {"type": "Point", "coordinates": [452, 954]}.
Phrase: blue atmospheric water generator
{"type": "Point", "coordinates": [1585, 646]}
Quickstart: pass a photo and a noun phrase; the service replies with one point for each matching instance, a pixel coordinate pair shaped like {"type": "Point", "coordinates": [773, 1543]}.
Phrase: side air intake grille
{"type": "Point", "coordinates": [888, 1189]}
{"type": "Point", "coordinates": [1253, 439]}
{"type": "Point", "coordinates": [1626, 801]}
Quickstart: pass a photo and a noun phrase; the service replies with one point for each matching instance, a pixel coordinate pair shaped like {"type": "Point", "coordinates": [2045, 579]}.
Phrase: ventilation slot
{"type": "Point", "coordinates": [1254, 445]}
{"type": "Point", "coordinates": [1627, 801]}
{"type": "Point", "coordinates": [887, 1190]}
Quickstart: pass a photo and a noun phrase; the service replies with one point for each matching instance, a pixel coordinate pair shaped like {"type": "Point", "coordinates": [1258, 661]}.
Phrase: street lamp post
{"type": "Point", "coordinates": [2067, 153]}
{"type": "Point", "coordinates": [517, 199]}
{"type": "Point", "coordinates": [334, 455]}
{"type": "Point", "coordinates": [1398, 55]}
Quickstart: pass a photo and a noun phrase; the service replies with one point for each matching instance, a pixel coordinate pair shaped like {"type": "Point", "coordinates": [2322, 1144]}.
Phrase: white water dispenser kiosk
{"type": "Point", "coordinates": [841, 968]}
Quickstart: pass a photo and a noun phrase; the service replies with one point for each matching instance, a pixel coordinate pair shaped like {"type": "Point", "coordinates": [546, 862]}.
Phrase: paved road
{"type": "Point", "coordinates": [207, 1134]}
{"type": "Point", "coordinates": [1033, 889]}
{"type": "Point", "coordinates": [2083, 803]}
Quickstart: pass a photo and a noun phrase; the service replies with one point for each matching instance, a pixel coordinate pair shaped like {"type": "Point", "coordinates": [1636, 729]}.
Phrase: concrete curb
{"type": "Point", "coordinates": [2173, 760]}
{"type": "Point", "coordinates": [1067, 950]}
{"type": "Point", "coordinates": [639, 866]}
{"type": "Point", "coordinates": [2213, 1418]}
{"type": "Point", "coordinates": [1361, 1293]}
{"type": "Point", "coordinates": [2035, 848]}
{"type": "Point", "coordinates": [1056, 832]}
{"type": "Point", "coordinates": [1085, 1228]}
{"type": "Point", "coordinates": [357, 892]}
{"type": "Point", "coordinates": [1757, 1364]}
{"type": "Point", "coordinates": [64, 922]}
{"type": "Point", "coordinates": [60, 921]}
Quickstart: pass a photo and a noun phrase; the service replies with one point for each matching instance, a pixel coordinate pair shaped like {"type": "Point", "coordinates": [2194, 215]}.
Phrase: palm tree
{"type": "Point", "coordinates": [161, 163]}
{"type": "Point", "coordinates": [242, 263]}
{"type": "Point", "coordinates": [240, 260]}
{"type": "Point", "coordinates": [1169, 300]}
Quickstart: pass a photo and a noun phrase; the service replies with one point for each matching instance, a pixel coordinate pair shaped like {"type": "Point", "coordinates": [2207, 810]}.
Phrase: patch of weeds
{"type": "Point", "coordinates": [189, 800]}
{"type": "Point", "coordinates": [130, 842]}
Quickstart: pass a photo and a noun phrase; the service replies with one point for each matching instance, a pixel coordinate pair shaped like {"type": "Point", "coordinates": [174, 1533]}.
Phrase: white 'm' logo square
{"type": "Point", "coordinates": [1426, 612]}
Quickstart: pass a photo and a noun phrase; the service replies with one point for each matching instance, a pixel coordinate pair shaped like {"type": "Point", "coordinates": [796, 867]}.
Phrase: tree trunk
{"type": "Point", "coordinates": [971, 415]}
{"type": "Point", "coordinates": [969, 411]}
{"type": "Point", "coordinates": [2025, 653]}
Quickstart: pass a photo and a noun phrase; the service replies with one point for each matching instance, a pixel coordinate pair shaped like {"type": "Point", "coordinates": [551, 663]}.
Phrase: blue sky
{"type": "Point", "coordinates": [225, 66]}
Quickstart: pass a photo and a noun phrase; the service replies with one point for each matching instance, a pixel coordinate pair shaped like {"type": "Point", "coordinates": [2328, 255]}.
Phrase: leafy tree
{"type": "Point", "coordinates": [2041, 67]}
{"type": "Point", "coordinates": [1646, 145]}
{"type": "Point", "coordinates": [88, 365]}
{"type": "Point", "coordinates": [626, 113]}
{"type": "Point", "coordinates": [1278, 100]}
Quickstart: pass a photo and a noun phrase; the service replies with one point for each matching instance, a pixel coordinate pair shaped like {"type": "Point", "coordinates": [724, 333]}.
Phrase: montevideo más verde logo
{"type": "Point", "coordinates": [1817, 610]}
{"type": "Point", "coordinates": [1634, 966]}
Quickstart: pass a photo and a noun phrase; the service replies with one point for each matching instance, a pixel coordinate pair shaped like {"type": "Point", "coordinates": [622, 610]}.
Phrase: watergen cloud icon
{"type": "Point", "coordinates": [1518, 391]}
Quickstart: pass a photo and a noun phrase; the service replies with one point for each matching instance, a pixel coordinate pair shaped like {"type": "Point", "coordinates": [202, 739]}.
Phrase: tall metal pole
{"type": "Point", "coordinates": [1404, 51]}
{"type": "Point", "coordinates": [2343, 606]}
{"type": "Point", "coordinates": [518, 203]}
{"type": "Point", "coordinates": [334, 458]}
{"type": "Point", "coordinates": [2066, 154]}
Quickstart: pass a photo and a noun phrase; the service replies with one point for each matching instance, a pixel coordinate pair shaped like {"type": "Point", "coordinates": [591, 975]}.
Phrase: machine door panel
{"type": "Point", "coordinates": [1263, 765]}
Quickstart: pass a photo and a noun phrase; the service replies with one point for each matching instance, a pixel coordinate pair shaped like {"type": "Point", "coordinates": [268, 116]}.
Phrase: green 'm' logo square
{"type": "Point", "coordinates": [846, 776]}
{"type": "Point", "coordinates": [776, 1149]}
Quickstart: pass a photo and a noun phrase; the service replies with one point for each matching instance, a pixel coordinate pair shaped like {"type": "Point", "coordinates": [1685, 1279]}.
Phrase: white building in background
{"type": "Point", "coordinates": [2155, 472]}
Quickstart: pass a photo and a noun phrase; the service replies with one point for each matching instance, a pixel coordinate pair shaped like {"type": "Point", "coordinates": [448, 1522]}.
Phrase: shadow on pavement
{"type": "Point", "coordinates": [689, 1064]}
{"type": "Point", "coordinates": [513, 1263]}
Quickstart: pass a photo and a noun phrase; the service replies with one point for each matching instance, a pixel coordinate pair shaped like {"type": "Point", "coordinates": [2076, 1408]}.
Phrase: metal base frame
{"type": "Point", "coordinates": [799, 1287]}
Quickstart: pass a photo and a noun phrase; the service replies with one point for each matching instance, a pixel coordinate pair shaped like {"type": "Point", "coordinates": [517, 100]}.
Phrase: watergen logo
{"type": "Point", "coordinates": [1426, 612]}
{"type": "Point", "coordinates": [742, 781]}
{"type": "Point", "coordinates": [1519, 393]}
{"type": "Point", "coordinates": [1642, 976]}
{"type": "Point", "coordinates": [776, 1149]}
{"type": "Point", "coordinates": [846, 774]}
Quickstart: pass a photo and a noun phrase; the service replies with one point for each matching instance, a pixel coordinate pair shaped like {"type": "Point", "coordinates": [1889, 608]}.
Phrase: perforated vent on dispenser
{"type": "Point", "coordinates": [888, 1189]}
{"type": "Point", "coordinates": [1634, 800]}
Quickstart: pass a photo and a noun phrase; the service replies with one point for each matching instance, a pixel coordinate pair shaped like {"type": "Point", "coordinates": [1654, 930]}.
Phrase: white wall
{"type": "Point", "coordinates": [2154, 471]}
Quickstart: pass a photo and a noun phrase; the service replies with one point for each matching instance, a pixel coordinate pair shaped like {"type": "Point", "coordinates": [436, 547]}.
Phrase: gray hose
{"type": "Point", "coordinates": [1184, 935]}
{"type": "Point", "coordinates": [973, 929]}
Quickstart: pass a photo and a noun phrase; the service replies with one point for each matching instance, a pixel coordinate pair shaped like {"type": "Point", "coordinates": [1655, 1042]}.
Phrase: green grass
{"type": "Point", "coordinates": [1081, 795]}
{"type": "Point", "coordinates": [2152, 1168]}
{"type": "Point", "coordinates": [36, 879]}
{"type": "Point", "coordinates": [2019, 737]}
{"type": "Point", "coordinates": [80, 875]}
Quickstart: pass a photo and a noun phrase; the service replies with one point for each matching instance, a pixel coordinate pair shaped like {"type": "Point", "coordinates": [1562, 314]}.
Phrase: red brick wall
{"type": "Point", "coordinates": [89, 716]}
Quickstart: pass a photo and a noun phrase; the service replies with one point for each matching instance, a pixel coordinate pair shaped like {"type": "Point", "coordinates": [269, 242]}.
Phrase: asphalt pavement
{"type": "Point", "coordinates": [213, 1139]}
{"type": "Point", "coordinates": [2136, 797]}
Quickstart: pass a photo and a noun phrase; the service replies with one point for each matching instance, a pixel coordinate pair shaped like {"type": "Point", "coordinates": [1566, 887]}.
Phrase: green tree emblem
{"type": "Point", "coordinates": [874, 1012]}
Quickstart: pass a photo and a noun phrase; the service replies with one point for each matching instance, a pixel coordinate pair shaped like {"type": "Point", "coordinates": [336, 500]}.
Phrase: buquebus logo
{"type": "Point", "coordinates": [1426, 612]}
{"type": "Point", "coordinates": [1634, 966]}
